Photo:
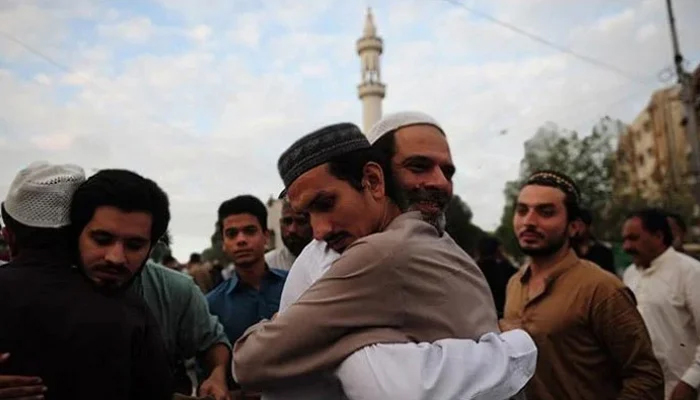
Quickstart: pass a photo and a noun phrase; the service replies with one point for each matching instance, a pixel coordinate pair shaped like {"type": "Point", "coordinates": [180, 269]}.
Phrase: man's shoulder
{"type": "Point", "coordinates": [172, 279]}
{"type": "Point", "coordinates": [279, 272]}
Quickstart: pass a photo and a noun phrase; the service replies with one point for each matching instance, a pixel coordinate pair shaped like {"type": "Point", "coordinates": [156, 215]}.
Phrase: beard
{"type": "Point", "coordinates": [551, 246]}
{"type": "Point", "coordinates": [431, 203]}
{"type": "Point", "coordinates": [113, 287]}
{"type": "Point", "coordinates": [294, 243]}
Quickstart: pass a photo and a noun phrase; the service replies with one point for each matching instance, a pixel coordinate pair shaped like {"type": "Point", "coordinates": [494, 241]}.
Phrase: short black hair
{"type": "Point", "coordinates": [195, 258]}
{"type": "Point", "coordinates": [245, 204]}
{"type": "Point", "coordinates": [29, 237]}
{"type": "Point", "coordinates": [679, 220]}
{"type": "Point", "coordinates": [350, 166]}
{"type": "Point", "coordinates": [488, 246]}
{"type": "Point", "coordinates": [561, 181]}
{"type": "Point", "coordinates": [125, 190]}
{"type": "Point", "coordinates": [167, 259]}
{"type": "Point", "coordinates": [654, 220]}
{"type": "Point", "coordinates": [586, 216]}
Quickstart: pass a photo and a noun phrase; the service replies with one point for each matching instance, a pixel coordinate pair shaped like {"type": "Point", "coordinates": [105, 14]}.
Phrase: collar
{"type": "Point", "coordinates": [555, 271]}
{"type": "Point", "coordinates": [657, 263]}
{"type": "Point", "coordinates": [271, 273]}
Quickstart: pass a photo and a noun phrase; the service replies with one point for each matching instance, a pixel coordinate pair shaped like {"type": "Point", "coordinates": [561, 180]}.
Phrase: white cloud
{"type": "Point", "coordinates": [138, 30]}
{"type": "Point", "coordinates": [207, 117]}
{"type": "Point", "coordinates": [246, 30]}
{"type": "Point", "coordinates": [200, 33]}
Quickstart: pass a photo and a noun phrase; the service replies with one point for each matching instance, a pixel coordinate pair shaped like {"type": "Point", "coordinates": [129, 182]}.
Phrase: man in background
{"type": "Point", "coordinates": [678, 229]}
{"type": "Point", "coordinates": [496, 268]}
{"type": "Point", "coordinates": [666, 284]}
{"type": "Point", "coordinates": [589, 248]}
{"type": "Point", "coordinates": [296, 234]}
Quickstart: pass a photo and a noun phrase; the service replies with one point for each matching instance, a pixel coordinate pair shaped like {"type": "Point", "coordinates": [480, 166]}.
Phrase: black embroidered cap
{"type": "Point", "coordinates": [317, 148]}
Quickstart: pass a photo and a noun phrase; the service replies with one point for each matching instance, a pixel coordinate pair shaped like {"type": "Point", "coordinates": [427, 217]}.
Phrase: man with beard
{"type": "Point", "coordinates": [389, 287]}
{"type": "Point", "coordinates": [82, 338]}
{"type": "Point", "coordinates": [253, 292]}
{"type": "Point", "coordinates": [493, 368]}
{"type": "Point", "coordinates": [665, 282]}
{"type": "Point", "coordinates": [591, 339]}
{"type": "Point", "coordinates": [296, 234]}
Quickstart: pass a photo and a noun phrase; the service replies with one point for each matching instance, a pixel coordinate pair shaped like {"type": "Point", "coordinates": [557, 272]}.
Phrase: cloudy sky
{"type": "Point", "coordinates": [202, 96]}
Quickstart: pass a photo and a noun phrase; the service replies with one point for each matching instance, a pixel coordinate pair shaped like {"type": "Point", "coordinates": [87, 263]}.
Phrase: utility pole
{"type": "Point", "coordinates": [688, 99]}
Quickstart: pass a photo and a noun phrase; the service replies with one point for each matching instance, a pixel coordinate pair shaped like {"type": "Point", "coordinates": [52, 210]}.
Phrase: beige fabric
{"type": "Point", "coordinates": [403, 284]}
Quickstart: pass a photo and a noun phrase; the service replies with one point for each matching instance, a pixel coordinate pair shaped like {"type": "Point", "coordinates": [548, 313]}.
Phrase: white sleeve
{"type": "Point", "coordinates": [692, 299]}
{"type": "Point", "coordinates": [495, 367]}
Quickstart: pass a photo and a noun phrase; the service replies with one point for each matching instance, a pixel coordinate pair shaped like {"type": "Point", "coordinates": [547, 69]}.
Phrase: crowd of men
{"type": "Point", "coordinates": [369, 298]}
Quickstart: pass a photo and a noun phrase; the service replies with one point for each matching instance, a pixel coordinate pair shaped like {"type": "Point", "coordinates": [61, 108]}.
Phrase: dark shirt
{"type": "Point", "coordinates": [84, 344]}
{"type": "Point", "coordinates": [497, 273]}
{"type": "Point", "coordinates": [239, 306]}
{"type": "Point", "coordinates": [602, 256]}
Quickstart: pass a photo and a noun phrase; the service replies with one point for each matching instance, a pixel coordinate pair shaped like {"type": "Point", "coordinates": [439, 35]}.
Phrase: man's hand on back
{"type": "Point", "coordinates": [20, 387]}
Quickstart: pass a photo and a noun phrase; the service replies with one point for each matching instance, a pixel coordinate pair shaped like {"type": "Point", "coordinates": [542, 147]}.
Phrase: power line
{"type": "Point", "coordinates": [551, 44]}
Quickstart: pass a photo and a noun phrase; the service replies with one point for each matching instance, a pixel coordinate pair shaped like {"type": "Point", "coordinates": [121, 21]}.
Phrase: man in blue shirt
{"type": "Point", "coordinates": [253, 292]}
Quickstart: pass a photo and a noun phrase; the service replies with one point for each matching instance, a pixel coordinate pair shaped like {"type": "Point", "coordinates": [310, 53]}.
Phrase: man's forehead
{"type": "Point", "coordinates": [121, 223]}
{"type": "Point", "coordinates": [422, 140]}
{"type": "Point", "coordinates": [309, 185]}
{"type": "Point", "coordinates": [240, 221]}
{"type": "Point", "coordinates": [537, 194]}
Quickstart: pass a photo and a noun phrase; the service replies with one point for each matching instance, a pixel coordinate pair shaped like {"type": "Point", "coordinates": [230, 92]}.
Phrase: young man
{"type": "Point", "coordinates": [296, 234]}
{"type": "Point", "coordinates": [390, 284]}
{"type": "Point", "coordinates": [495, 367]}
{"type": "Point", "coordinates": [110, 212]}
{"type": "Point", "coordinates": [666, 284]}
{"type": "Point", "coordinates": [81, 342]}
{"type": "Point", "coordinates": [253, 292]}
{"type": "Point", "coordinates": [591, 340]}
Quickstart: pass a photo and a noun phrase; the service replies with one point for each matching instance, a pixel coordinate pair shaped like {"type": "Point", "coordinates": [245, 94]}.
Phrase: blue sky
{"type": "Point", "coordinates": [203, 96]}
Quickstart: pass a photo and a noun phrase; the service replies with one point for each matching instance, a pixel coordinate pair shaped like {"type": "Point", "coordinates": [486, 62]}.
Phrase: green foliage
{"type": "Point", "coordinates": [588, 160]}
{"type": "Point", "coordinates": [215, 252]}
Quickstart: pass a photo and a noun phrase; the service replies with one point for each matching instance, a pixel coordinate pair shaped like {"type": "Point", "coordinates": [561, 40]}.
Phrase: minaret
{"type": "Point", "coordinates": [371, 90]}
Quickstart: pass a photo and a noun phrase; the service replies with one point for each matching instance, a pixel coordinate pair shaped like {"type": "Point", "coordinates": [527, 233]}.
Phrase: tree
{"type": "Point", "coordinates": [459, 225]}
{"type": "Point", "coordinates": [162, 248]}
{"type": "Point", "coordinates": [587, 160]}
{"type": "Point", "coordinates": [215, 252]}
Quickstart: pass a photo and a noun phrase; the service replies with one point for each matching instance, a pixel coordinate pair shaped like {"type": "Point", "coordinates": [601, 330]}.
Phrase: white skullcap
{"type": "Point", "coordinates": [395, 121]}
{"type": "Point", "coordinates": [40, 195]}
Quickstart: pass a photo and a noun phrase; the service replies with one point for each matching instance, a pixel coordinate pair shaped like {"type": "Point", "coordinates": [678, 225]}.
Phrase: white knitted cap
{"type": "Point", "coordinates": [395, 121]}
{"type": "Point", "coordinates": [40, 194]}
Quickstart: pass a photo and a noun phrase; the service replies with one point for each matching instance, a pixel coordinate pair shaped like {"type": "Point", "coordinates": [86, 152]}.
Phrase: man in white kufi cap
{"type": "Point", "coordinates": [57, 331]}
{"type": "Point", "coordinates": [497, 366]}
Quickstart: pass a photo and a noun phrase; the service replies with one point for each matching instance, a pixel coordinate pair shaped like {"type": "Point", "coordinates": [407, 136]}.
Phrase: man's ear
{"type": "Point", "coordinates": [373, 179]}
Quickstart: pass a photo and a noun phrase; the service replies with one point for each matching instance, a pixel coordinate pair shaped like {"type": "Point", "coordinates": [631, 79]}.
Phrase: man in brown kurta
{"type": "Point", "coordinates": [592, 342]}
{"type": "Point", "coordinates": [399, 279]}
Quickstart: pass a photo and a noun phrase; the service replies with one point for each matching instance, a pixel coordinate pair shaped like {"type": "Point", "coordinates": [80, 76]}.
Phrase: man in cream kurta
{"type": "Point", "coordinates": [666, 284]}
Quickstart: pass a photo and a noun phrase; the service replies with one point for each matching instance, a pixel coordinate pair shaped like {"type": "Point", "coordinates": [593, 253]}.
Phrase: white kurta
{"type": "Point", "coordinates": [495, 367]}
{"type": "Point", "coordinates": [668, 297]}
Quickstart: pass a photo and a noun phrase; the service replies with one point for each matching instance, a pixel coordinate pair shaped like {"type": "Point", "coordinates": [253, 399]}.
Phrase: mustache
{"type": "Point", "coordinates": [428, 195]}
{"type": "Point", "coordinates": [532, 231]}
{"type": "Point", "coordinates": [335, 236]}
{"type": "Point", "coordinates": [118, 269]}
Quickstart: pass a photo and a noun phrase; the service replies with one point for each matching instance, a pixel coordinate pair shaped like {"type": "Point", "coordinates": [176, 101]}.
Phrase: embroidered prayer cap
{"type": "Point", "coordinates": [317, 148]}
{"type": "Point", "coordinates": [40, 195]}
{"type": "Point", "coordinates": [396, 121]}
{"type": "Point", "coordinates": [557, 180]}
